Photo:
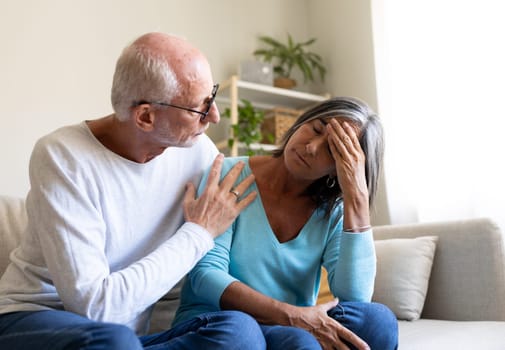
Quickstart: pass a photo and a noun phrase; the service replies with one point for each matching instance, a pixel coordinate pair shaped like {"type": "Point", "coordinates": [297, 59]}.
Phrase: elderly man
{"type": "Point", "coordinates": [113, 220]}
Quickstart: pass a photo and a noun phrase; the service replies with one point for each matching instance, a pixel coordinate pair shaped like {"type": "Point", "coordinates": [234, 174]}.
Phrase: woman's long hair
{"type": "Point", "coordinates": [371, 139]}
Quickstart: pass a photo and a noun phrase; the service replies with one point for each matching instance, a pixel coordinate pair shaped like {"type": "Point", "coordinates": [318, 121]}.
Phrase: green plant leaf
{"type": "Point", "coordinates": [285, 57]}
{"type": "Point", "coordinates": [248, 128]}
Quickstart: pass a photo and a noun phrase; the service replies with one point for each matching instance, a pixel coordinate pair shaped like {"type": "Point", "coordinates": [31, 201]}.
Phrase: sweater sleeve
{"type": "Point", "coordinates": [350, 261]}
{"type": "Point", "coordinates": [210, 277]}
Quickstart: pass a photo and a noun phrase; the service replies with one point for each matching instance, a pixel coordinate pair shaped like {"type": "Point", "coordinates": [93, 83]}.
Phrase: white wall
{"type": "Point", "coordinates": [344, 29]}
{"type": "Point", "coordinates": [58, 56]}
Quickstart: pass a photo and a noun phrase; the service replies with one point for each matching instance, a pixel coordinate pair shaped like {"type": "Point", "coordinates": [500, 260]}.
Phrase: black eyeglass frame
{"type": "Point", "coordinates": [203, 115]}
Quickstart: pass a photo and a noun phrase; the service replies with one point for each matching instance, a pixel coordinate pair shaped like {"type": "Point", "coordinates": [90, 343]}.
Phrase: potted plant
{"type": "Point", "coordinates": [285, 57]}
{"type": "Point", "coordinates": [248, 129]}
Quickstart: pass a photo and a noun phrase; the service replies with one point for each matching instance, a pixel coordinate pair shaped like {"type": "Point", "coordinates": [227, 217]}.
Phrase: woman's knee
{"type": "Point", "coordinates": [297, 338]}
{"type": "Point", "coordinates": [381, 327]}
{"type": "Point", "coordinates": [293, 338]}
{"type": "Point", "coordinates": [386, 320]}
{"type": "Point", "coordinates": [247, 332]}
{"type": "Point", "coordinates": [381, 314]}
{"type": "Point", "coordinates": [375, 323]}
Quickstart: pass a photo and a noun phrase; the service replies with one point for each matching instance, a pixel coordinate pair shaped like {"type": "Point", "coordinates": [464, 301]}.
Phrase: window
{"type": "Point", "coordinates": [441, 77]}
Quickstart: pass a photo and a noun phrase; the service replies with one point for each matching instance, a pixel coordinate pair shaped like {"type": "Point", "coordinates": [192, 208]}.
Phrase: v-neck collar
{"type": "Point", "coordinates": [272, 235]}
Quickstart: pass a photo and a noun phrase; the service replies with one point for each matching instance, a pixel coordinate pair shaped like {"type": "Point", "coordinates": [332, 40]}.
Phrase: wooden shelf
{"type": "Point", "coordinates": [262, 97]}
{"type": "Point", "coordinates": [265, 96]}
{"type": "Point", "coordinates": [223, 144]}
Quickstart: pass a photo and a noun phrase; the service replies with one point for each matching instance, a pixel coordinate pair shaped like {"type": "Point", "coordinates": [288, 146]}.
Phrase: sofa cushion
{"type": "Point", "coordinates": [403, 273]}
{"type": "Point", "coordinates": [12, 225]}
{"type": "Point", "coordinates": [426, 334]}
{"type": "Point", "coordinates": [164, 310]}
{"type": "Point", "coordinates": [468, 277]}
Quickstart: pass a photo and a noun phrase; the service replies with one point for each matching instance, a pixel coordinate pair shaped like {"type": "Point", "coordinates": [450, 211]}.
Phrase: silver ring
{"type": "Point", "coordinates": [236, 193]}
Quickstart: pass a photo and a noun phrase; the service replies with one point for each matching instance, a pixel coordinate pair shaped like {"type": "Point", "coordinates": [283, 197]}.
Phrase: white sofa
{"type": "Point", "coordinates": [465, 302]}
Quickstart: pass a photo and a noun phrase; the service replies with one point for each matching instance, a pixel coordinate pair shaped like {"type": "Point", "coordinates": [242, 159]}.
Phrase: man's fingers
{"type": "Point", "coordinates": [244, 185]}
{"type": "Point", "coordinates": [244, 202]}
{"type": "Point", "coordinates": [215, 170]}
{"type": "Point", "coordinates": [231, 177]}
{"type": "Point", "coordinates": [190, 192]}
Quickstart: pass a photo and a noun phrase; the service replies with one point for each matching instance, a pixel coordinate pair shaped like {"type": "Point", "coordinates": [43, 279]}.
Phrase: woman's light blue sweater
{"type": "Point", "coordinates": [249, 252]}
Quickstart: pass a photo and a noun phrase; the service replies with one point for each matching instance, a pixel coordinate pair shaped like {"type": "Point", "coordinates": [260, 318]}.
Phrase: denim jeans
{"type": "Point", "coordinates": [58, 330]}
{"type": "Point", "coordinates": [372, 322]}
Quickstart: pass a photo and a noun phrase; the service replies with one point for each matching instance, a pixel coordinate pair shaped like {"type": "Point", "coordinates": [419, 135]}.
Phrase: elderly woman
{"type": "Point", "coordinates": [312, 211]}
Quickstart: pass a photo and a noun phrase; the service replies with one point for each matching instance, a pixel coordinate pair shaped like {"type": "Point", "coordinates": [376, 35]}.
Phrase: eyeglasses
{"type": "Point", "coordinates": [203, 115]}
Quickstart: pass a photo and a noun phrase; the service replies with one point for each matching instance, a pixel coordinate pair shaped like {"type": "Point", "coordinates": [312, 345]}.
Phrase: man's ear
{"type": "Point", "coordinates": [144, 117]}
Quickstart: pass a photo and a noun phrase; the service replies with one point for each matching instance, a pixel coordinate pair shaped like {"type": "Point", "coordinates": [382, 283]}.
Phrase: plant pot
{"type": "Point", "coordinates": [285, 83]}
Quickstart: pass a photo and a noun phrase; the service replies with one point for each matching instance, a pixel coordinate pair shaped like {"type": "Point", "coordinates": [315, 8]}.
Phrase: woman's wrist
{"type": "Point", "coordinates": [357, 229]}
{"type": "Point", "coordinates": [290, 315]}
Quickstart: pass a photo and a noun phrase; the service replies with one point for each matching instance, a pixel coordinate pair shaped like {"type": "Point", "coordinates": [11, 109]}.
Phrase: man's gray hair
{"type": "Point", "coordinates": [141, 75]}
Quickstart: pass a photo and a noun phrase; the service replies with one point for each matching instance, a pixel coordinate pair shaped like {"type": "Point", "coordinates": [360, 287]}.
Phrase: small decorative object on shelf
{"type": "Point", "coordinates": [277, 121]}
{"type": "Point", "coordinates": [257, 72]}
{"type": "Point", "coordinates": [287, 56]}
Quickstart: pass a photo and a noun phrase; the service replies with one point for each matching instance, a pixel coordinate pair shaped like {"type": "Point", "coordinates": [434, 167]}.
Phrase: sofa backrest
{"type": "Point", "coordinates": [12, 225]}
{"type": "Point", "coordinates": [468, 275]}
{"type": "Point", "coordinates": [467, 281]}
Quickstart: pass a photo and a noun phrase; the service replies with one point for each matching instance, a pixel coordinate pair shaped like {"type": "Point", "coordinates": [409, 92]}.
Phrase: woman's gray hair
{"type": "Point", "coordinates": [371, 139]}
{"type": "Point", "coordinates": [141, 75]}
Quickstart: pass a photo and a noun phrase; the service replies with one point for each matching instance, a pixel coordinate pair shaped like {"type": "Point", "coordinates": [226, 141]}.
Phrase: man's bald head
{"type": "Point", "coordinates": [157, 67]}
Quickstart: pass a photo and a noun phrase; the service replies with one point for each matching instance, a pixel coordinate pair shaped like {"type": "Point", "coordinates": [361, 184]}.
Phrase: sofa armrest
{"type": "Point", "coordinates": [467, 282]}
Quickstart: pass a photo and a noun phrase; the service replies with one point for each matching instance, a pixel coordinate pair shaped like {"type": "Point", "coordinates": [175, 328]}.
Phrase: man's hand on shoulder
{"type": "Point", "coordinates": [220, 203]}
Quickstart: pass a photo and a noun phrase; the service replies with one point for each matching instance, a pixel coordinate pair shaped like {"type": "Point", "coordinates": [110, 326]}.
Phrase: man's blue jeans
{"type": "Point", "coordinates": [372, 322]}
{"type": "Point", "coordinates": [58, 330]}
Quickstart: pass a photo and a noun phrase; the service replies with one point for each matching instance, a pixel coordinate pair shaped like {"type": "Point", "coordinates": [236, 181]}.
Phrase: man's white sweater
{"type": "Point", "coordinates": [106, 236]}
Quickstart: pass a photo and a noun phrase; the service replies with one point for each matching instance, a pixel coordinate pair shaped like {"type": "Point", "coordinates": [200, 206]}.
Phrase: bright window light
{"type": "Point", "coordinates": [441, 88]}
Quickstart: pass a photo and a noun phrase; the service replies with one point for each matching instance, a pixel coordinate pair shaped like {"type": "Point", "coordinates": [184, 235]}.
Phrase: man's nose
{"type": "Point", "coordinates": [213, 116]}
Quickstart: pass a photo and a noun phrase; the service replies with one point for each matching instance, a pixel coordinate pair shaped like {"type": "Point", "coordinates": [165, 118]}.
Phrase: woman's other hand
{"type": "Point", "coordinates": [329, 333]}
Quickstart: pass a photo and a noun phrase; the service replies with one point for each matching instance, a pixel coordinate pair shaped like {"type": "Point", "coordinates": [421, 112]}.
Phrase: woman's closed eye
{"type": "Point", "coordinates": [318, 127]}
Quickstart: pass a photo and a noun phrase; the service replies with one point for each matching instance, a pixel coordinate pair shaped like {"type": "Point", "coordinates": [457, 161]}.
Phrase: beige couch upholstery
{"type": "Point", "coordinates": [465, 303]}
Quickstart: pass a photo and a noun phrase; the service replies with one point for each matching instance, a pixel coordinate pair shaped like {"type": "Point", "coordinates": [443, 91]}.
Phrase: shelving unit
{"type": "Point", "coordinates": [263, 97]}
